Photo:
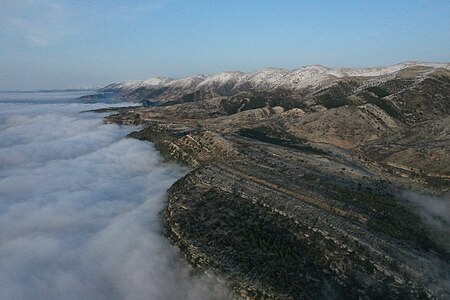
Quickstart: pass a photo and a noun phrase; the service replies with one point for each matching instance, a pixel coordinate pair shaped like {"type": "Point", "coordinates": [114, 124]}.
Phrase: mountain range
{"type": "Point", "coordinates": [267, 80]}
{"type": "Point", "coordinates": [313, 183]}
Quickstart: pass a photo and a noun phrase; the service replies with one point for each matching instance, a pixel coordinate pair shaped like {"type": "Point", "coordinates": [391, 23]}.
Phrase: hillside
{"type": "Point", "coordinates": [298, 179]}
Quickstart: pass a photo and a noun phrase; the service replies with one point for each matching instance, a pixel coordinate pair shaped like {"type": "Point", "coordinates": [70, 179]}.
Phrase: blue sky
{"type": "Point", "coordinates": [60, 44]}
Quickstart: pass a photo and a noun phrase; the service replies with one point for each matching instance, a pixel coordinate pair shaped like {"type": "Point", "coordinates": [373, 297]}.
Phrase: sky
{"type": "Point", "coordinates": [79, 43]}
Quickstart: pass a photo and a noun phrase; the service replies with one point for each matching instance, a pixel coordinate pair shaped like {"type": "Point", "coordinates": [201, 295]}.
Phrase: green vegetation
{"type": "Point", "coordinates": [387, 215]}
{"type": "Point", "coordinates": [248, 237]}
{"type": "Point", "coordinates": [379, 92]}
{"type": "Point", "coordinates": [278, 137]}
{"type": "Point", "coordinates": [143, 93]}
{"type": "Point", "coordinates": [246, 101]}
{"type": "Point", "coordinates": [336, 95]}
{"type": "Point", "coordinates": [330, 101]}
{"type": "Point", "coordinates": [384, 105]}
{"type": "Point", "coordinates": [242, 103]}
{"type": "Point", "coordinates": [260, 248]}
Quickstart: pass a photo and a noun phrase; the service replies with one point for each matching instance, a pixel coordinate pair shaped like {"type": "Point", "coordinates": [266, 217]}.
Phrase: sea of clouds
{"type": "Point", "coordinates": [79, 209]}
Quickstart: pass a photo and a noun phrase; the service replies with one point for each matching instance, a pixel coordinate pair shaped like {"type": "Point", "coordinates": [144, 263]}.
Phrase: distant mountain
{"type": "Point", "coordinates": [296, 81]}
{"type": "Point", "coordinates": [155, 82]}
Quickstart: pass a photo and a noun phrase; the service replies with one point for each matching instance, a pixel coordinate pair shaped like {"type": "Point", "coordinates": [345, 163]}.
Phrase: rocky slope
{"type": "Point", "coordinates": [297, 176]}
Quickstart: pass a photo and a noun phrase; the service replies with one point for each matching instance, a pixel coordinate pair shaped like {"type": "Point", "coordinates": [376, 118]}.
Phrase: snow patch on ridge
{"type": "Point", "coordinates": [135, 84]}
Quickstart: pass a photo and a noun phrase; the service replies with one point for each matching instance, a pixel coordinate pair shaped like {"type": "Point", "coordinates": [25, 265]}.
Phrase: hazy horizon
{"type": "Point", "coordinates": [57, 44]}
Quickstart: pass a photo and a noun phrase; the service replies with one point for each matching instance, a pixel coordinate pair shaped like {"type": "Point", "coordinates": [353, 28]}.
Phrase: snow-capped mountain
{"type": "Point", "coordinates": [268, 79]}
{"type": "Point", "coordinates": [153, 82]}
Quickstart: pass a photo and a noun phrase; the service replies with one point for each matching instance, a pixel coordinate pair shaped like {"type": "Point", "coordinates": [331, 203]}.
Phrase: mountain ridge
{"type": "Point", "coordinates": [158, 90]}
{"type": "Point", "coordinates": [314, 69]}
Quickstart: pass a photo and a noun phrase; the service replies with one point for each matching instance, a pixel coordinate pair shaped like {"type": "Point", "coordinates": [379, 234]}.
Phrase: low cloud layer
{"type": "Point", "coordinates": [79, 211]}
{"type": "Point", "coordinates": [435, 212]}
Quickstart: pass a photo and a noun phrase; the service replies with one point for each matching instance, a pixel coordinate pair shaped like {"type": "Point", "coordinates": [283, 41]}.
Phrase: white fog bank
{"type": "Point", "coordinates": [435, 213]}
{"type": "Point", "coordinates": [79, 211]}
